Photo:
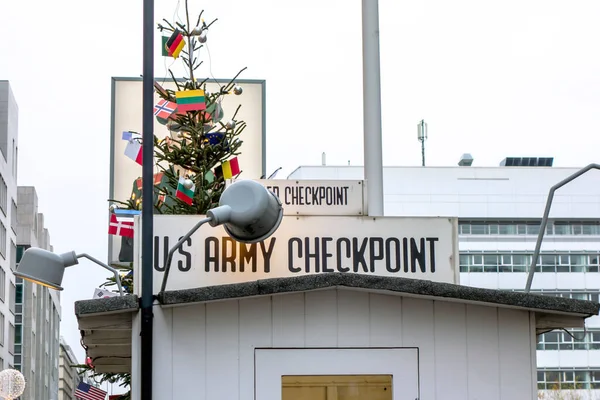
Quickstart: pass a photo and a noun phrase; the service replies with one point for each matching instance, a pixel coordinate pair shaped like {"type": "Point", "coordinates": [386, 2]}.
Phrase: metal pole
{"type": "Point", "coordinates": [538, 243]}
{"type": "Point", "coordinates": [372, 107]}
{"type": "Point", "coordinates": [423, 152]}
{"type": "Point", "coordinates": [147, 202]}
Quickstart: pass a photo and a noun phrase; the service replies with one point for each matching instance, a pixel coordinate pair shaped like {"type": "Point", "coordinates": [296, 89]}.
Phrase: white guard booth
{"type": "Point", "coordinates": [328, 308]}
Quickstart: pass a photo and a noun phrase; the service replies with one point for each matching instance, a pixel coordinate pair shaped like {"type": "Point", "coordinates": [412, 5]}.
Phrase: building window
{"type": "Point", "coordinates": [2, 240]}
{"type": "Point", "coordinates": [20, 250]}
{"type": "Point", "coordinates": [531, 228]}
{"type": "Point", "coordinates": [2, 328]}
{"type": "Point", "coordinates": [520, 262]}
{"type": "Point", "coordinates": [12, 293]}
{"type": "Point", "coordinates": [575, 339]}
{"type": "Point", "coordinates": [2, 284]}
{"type": "Point", "coordinates": [3, 195]}
{"type": "Point", "coordinates": [13, 216]}
{"type": "Point", "coordinates": [11, 338]}
{"type": "Point", "coordinates": [568, 379]}
{"type": "Point", "coordinates": [13, 256]}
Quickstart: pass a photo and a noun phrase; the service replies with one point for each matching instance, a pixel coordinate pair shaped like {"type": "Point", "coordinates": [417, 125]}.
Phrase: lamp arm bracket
{"type": "Point", "coordinates": [111, 269]}
{"type": "Point", "coordinates": [177, 246]}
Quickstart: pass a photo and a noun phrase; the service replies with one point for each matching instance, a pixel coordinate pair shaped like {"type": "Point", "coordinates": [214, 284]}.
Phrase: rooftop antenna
{"type": "Point", "coordinates": [422, 136]}
{"type": "Point", "coordinates": [323, 162]}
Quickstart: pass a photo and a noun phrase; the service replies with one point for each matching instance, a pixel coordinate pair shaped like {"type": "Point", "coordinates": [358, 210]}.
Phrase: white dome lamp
{"type": "Point", "coordinates": [248, 211]}
{"type": "Point", "coordinates": [47, 268]}
{"type": "Point", "coordinates": [12, 384]}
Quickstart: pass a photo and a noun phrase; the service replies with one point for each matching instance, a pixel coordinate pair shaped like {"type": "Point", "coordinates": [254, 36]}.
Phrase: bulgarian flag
{"type": "Point", "coordinates": [183, 194]}
{"type": "Point", "coordinates": [175, 44]}
{"type": "Point", "coordinates": [190, 100]}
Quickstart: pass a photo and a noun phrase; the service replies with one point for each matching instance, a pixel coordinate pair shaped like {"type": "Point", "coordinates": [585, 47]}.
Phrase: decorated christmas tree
{"type": "Point", "coordinates": [199, 152]}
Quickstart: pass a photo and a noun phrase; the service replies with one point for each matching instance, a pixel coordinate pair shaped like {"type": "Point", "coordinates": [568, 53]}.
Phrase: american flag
{"type": "Point", "coordinates": [88, 392]}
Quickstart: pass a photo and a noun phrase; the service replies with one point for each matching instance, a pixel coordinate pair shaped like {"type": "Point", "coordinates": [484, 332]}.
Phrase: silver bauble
{"type": "Point", "coordinates": [237, 89]}
{"type": "Point", "coordinates": [113, 207]}
{"type": "Point", "coordinates": [230, 124]}
{"type": "Point", "coordinates": [202, 37]}
{"type": "Point", "coordinates": [196, 31]}
{"type": "Point", "coordinates": [188, 184]}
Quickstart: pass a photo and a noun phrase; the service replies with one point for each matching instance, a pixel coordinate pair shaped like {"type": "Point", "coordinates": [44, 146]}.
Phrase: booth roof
{"type": "Point", "coordinates": [391, 285]}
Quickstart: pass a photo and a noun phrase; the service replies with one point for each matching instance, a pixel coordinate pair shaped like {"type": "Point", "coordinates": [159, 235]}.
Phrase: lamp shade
{"type": "Point", "coordinates": [44, 267]}
{"type": "Point", "coordinates": [249, 212]}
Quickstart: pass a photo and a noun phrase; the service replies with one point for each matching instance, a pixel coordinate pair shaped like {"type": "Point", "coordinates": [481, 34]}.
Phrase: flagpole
{"type": "Point", "coordinates": [372, 107]}
{"type": "Point", "coordinates": [147, 202]}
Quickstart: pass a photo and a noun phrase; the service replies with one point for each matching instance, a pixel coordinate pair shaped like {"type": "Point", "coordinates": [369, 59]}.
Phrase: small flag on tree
{"type": "Point", "coordinates": [213, 138]}
{"type": "Point", "coordinates": [134, 150]}
{"type": "Point", "coordinates": [165, 52]}
{"type": "Point", "coordinates": [184, 194]}
{"type": "Point", "coordinates": [89, 392]}
{"type": "Point", "coordinates": [120, 228]}
{"type": "Point", "coordinates": [175, 44]}
{"type": "Point", "coordinates": [190, 100]}
{"type": "Point", "coordinates": [164, 109]}
{"type": "Point", "coordinates": [231, 168]}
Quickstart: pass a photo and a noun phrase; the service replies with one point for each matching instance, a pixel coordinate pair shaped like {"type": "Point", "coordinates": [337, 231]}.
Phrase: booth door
{"type": "Point", "coordinates": [336, 387]}
{"type": "Point", "coordinates": [336, 374]}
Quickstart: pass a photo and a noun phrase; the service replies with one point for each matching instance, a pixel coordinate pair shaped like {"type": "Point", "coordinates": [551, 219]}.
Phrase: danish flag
{"type": "Point", "coordinates": [120, 228]}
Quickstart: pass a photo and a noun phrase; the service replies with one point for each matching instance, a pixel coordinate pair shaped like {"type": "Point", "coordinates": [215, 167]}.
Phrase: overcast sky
{"type": "Point", "coordinates": [495, 79]}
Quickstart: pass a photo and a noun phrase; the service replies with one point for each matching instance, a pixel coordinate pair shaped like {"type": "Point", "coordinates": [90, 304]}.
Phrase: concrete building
{"type": "Point", "coordinates": [499, 210]}
{"type": "Point", "coordinates": [8, 221]}
{"type": "Point", "coordinates": [38, 310]}
{"type": "Point", "coordinates": [68, 378]}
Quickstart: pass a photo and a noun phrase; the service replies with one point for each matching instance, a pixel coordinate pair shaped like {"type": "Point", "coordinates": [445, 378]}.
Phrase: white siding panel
{"type": "Point", "coordinates": [321, 318]}
{"type": "Point", "coordinates": [515, 351]}
{"type": "Point", "coordinates": [353, 318]}
{"type": "Point", "coordinates": [222, 349]}
{"type": "Point", "coordinates": [465, 352]}
{"type": "Point", "coordinates": [255, 331]}
{"type": "Point", "coordinates": [451, 380]}
{"type": "Point", "coordinates": [418, 331]}
{"type": "Point", "coordinates": [288, 320]}
{"type": "Point", "coordinates": [163, 354]}
{"type": "Point", "coordinates": [482, 353]}
{"type": "Point", "coordinates": [385, 320]}
{"type": "Point", "coordinates": [189, 333]}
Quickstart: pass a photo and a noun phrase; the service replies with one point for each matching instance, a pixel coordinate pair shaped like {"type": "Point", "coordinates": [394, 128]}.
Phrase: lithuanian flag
{"type": "Point", "coordinates": [190, 100]}
{"type": "Point", "coordinates": [175, 44]}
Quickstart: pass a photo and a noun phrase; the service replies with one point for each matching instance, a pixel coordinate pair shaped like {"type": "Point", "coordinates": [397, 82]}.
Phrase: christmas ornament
{"type": "Point", "coordinates": [188, 184]}
{"type": "Point", "coordinates": [202, 37]}
{"type": "Point", "coordinates": [12, 384]}
{"type": "Point", "coordinates": [196, 31]}
{"type": "Point", "coordinates": [230, 124]}
{"type": "Point", "coordinates": [237, 90]}
{"type": "Point", "coordinates": [112, 207]}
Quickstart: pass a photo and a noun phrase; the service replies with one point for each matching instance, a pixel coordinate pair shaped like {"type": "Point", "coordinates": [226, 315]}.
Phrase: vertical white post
{"type": "Point", "coordinates": [372, 107]}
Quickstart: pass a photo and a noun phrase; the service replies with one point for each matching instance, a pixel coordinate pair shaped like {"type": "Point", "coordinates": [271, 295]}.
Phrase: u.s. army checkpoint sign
{"type": "Point", "coordinates": [420, 248]}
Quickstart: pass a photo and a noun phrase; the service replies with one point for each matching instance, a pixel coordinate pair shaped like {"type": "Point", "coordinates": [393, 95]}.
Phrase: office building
{"type": "Point", "coordinates": [68, 377]}
{"type": "Point", "coordinates": [500, 210]}
{"type": "Point", "coordinates": [37, 316]}
{"type": "Point", "coordinates": [8, 221]}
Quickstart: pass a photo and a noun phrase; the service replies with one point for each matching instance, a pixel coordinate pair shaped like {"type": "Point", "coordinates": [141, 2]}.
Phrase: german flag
{"type": "Point", "coordinates": [190, 100]}
{"type": "Point", "coordinates": [175, 44]}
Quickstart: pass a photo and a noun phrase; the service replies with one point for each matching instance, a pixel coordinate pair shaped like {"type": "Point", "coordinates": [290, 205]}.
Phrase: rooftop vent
{"type": "Point", "coordinates": [466, 160]}
{"type": "Point", "coordinates": [527, 162]}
